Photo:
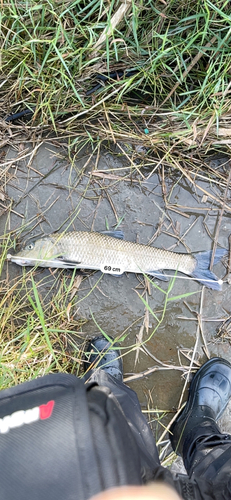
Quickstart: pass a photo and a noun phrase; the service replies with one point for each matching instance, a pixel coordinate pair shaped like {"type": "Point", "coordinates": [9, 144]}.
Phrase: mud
{"type": "Point", "coordinates": [53, 194]}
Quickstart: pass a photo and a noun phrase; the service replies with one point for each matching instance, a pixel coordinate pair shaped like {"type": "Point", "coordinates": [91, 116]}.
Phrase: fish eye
{"type": "Point", "coordinates": [30, 246]}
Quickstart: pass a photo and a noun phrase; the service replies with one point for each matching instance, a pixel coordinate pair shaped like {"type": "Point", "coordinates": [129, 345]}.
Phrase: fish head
{"type": "Point", "coordinates": [41, 252]}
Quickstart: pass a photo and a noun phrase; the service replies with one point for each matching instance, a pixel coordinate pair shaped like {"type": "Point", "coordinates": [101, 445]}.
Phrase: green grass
{"type": "Point", "coordinates": [181, 51]}
{"type": "Point", "coordinates": [39, 332]}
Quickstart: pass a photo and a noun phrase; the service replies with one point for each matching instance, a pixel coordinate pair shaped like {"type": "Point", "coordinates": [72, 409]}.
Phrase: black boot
{"type": "Point", "coordinates": [209, 394]}
{"type": "Point", "coordinates": [101, 353]}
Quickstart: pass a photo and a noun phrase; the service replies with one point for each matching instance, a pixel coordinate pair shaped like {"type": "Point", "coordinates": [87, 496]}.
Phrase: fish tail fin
{"type": "Point", "coordinates": [202, 273]}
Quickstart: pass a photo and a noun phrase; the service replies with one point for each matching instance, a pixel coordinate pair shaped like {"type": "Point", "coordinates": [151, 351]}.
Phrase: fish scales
{"type": "Point", "coordinates": [96, 249]}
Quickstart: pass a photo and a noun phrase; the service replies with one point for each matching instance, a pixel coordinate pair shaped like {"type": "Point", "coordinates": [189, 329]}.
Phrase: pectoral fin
{"type": "Point", "coordinates": [67, 263]}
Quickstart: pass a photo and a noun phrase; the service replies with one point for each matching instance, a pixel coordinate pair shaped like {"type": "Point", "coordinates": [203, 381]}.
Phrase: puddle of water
{"type": "Point", "coordinates": [67, 197]}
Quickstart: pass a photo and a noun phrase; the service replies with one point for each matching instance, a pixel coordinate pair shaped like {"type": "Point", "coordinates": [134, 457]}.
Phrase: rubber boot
{"type": "Point", "coordinates": [209, 394]}
{"type": "Point", "coordinates": [104, 354]}
{"type": "Point", "coordinates": [195, 434]}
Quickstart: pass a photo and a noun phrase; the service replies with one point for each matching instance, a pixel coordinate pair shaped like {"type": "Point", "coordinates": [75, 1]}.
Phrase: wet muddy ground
{"type": "Point", "coordinates": [102, 190]}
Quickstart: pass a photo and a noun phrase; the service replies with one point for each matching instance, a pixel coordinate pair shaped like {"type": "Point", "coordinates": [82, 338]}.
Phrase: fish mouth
{"type": "Point", "coordinates": [19, 260]}
{"type": "Point", "coordinates": [55, 262]}
{"type": "Point", "coordinates": [22, 262]}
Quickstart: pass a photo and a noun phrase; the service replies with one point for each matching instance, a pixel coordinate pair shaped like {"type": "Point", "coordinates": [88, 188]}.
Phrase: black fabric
{"type": "Point", "coordinates": [65, 440]}
{"type": "Point", "coordinates": [117, 454]}
{"type": "Point", "coordinates": [207, 458]}
{"type": "Point", "coordinates": [69, 451]}
{"type": "Point", "coordinates": [130, 405]}
{"type": "Point", "coordinates": [190, 488]}
{"type": "Point", "coordinates": [32, 455]}
{"type": "Point", "coordinates": [209, 476]}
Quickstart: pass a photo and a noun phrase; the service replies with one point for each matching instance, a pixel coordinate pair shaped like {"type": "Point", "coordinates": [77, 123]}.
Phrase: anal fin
{"type": "Point", "coordinates": [114, 234]}
{"type": "Point", "coordinates": [158, 274]}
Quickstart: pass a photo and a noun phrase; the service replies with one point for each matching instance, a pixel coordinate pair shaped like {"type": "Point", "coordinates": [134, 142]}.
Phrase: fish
{"type": "Point", "coordinates": [111, 254]}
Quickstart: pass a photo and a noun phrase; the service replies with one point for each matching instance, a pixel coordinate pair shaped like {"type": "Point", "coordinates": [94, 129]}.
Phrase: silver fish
{"type": "Point", "coordinates": [110, 254]}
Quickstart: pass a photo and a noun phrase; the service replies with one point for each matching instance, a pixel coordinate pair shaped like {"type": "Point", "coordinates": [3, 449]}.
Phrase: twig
{"type": "Point", "coordinates": [173, 209]}
{"type": "Point", "coordinates": [199, 315]}
{"type": "Point", "coordinates": [185, 173]}
{"type": "Point", "coordinates": [103, 175]}
{"type": "Point", "coordinates": [220, 218]}
{"type": "Point", "coordinates": [165, 365]}
{"type": "Point", "coordinates": [227, 277]}
{"type": "Point", "coordinates": [94, 217]}
{"type": "Point", "coordinates": [145, 373]}
{"type": "Point", "coordinates": [194, 352]}
{"type": "Point", "coordinates": [109, 123]}
{"type": "Point", "coordinates": [139, 337]}
{"type": "Point", "coordinates": [190, 66]}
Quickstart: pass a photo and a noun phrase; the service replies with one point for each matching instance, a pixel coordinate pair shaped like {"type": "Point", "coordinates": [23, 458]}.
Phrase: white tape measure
{"type": "Point", "coordinates": [110, 269]}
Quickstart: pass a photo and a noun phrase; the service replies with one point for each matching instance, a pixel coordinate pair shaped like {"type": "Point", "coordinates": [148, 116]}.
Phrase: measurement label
{"type": "Point", "coordinates": [110, 269]}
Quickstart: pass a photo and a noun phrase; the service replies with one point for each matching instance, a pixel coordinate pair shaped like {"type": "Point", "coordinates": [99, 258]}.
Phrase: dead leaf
{"type": "Point", "coordinates": [76, 285]}
{"type": "Point", "coordinates": [146, 319]}
{"type": "Point", "coordinates": [68, 311]}
{"type": "Point", "coordinates": [139, 339]}
{"type": "Point", "coordinates": [2, 196]}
